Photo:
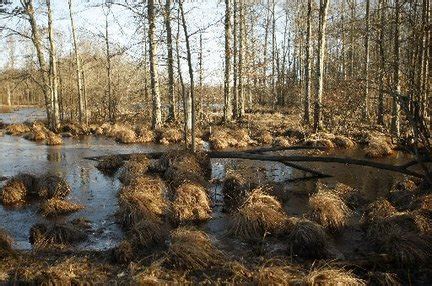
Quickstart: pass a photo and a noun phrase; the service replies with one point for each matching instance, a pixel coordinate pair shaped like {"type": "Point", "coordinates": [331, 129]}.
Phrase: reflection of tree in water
{"type": "Point", "coordinates": [54, 154]}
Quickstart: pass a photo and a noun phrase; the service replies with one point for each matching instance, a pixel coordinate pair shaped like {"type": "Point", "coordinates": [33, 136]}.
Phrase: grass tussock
{"type": "Point", "coordinates": [343, 142]}
{"type": "Point", "coordinates": [377, 210]}
{"type": "Point", "coordinates": [424, 202]}
{"type": "Point", "coordinates": [17, 129]}
{"type": "Point", "coordinates": [378, 147]}
{"type": "Point", "coordinates": [136, 167]}
{"type": "Point", "coordinates": [18, 190]}
{"type": "Point", "coordinates": [145, 135]}
{"type": "Point", "coordinates": [307, 239]}
{"type": "Point", "coordinates": [235, 188]}
{"type": "Point", "coordinates": [383, 278]}
{"type": "Point", "coordinates": [110, 164]}
{"type": "Point", "coordinates": [259, 216]}
{"type": "Point", "coordinates": [144, 198]}
{"type": "Point", "coordinates": [329, 210]}
{"type": "Point", "coordinates": [46, 236]}
{"type": "Point", "coordinates": [123, 253]}
{"type": "Point", "coordinates": [52, 186]}
{"type": "Point", "coordinates": [156, 274]}
{"type": "Point", "coordinates": [170, 135]}
{"type": "Point", "coordinates": [324, 143]}
{"type": "Point", "coordinates": [148, 232]}
{"type": "Point", "coordinates": [278, 274]}
{"type": "Point", "coordinates": [53, 139]}
{"type": "Point", "coordinates": [37, 133]}
{"type": "Point", "coordinates": [323, 276]}
{"type": "Point", "coordinates": [224, 137]}
{"type": "Point", "coordinates": [281, 141]}
{"type": "Point", "coordinates": [192, 250]}
{"type": "Point", "coordinates": [264, 137]}
{"type": "Point", "coordinates": [57, 207]}
{"type": "Point", "coordinates": [402, 194]}
{"type": "Point", "coordinates": [191, 204]}
{"type": "Point", "coordinates": [6, 243]}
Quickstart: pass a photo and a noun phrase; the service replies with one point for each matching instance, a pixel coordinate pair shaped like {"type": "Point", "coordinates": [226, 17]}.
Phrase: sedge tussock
{"type": "Point", "coordinates": [343, 142]}
{"type": "Point", "coordinates": [378, 210]}
{"type": "Point", "coordinates": [123, 253]}
{"type": "Point", "coordinates": [110, 164]}
{"type": "Point", "coordinates": [57, 207]}
{"type": "Point", "coordinates": [192, 250]}
{"type": "Point", "coordinates": [134, 168]}
{"type": "Point", "coordinates": [52, 186]}
{"type": "Point", "coordinates": [17, 129]}
{"type": "Point", "coordinates": [383, 278]}
{"type": "Point", "coordinates": [46, 236]}
{"type": "Point", "coordinates": [332, 277]}
{"type": "Point", "coordinates": [260, 214]}
{"type": "Point", "coordinates": [6, 242]}
{"type": "Point", "coordinates": [191, 204]}
{"type": "Point", "coordinates": [234, 190]}
{"type": "Point", "coordinates": [378, 147]}
{"type": "Point", "coordinates": [329, 210]}
{"type": "Point", "coordinates": [18, 189]}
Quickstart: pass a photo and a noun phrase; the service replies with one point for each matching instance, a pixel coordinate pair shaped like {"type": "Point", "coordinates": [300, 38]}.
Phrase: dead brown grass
{"type": "Point", "coordinates": [55, 236]}
{"type": "Point", "coordinates": [6, 242]}
{"type": "Point", "coordinates": [403, 194]}
{"type": "Point", "coordinates": [136, 167]}
{"type": "Point", "coordinates": [307, 239]}
{"type": "Point", "coordinates": [320, 143]}
{"type": "Point", "coordinates": [17, 129]}
{"type": "Point", "coordinates": [235, 188]}
{"type": "Point", "coordinates": [259, 216]}
{"type": "Point", "coordinates": [148, 232]}
{"type": "Point", "coordinates": [281, 141]}
{"type": "Point", "coordinates": [192, 250]}
{"type": "Point", "coordinates": [264, 137]}
{"type": "Point", "coordinates": [383, 278]}
{"type": "Point", "coordinates": [52, 186]}
{"type": "Point", "coordinates": [110, 164]}
{"type": "Point", "coordinates": [343, 142]}
{"type": "Point", "coordinates": [329, 210]}
{"type": "Point", "coordinates": [123, 253]}
{"type": "Point", "coordinates": [57, 207]}
{"type": "Point", "coordinates": [191, 204]}
{"type": "Point", "coordinates": [145, 134]}
{"type": "Point", "coordinates": [327, 276]}
{"type": "Point", "coordinates": [378, 210]}
{"type": "Point", "coordinates": [170, 135]}
{"type": "Point", "coordinates": [14, 193]}
{"type": "Point", "coordinates": [53, 139]}
{"type": "Point", "coordinates": [378, 147]}
{"type": "Point", "coordinates": [144, 198]}
{"type": "Point", "coordinates": [278, 274]}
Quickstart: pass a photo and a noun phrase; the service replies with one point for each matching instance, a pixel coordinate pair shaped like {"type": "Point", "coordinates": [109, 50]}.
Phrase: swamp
{"type": "Point", "coordinates": [216, 142]}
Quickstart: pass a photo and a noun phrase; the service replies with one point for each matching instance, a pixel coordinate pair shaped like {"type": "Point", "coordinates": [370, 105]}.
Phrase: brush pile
{"type": "Point", "coordinates": [329, 210]}
{"type": "Point", "coordinates": [259, 216]}
{"type": "Point", "coordinates": [192, 250]}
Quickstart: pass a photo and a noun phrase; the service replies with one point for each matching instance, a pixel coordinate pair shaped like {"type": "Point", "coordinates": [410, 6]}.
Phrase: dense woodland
{"type": "Point", "coordinates": [333, 62]}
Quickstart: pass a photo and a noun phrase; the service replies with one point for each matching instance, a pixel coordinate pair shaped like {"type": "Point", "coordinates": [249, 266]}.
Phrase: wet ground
{"type": "Point", "coordinates": [98, 192]}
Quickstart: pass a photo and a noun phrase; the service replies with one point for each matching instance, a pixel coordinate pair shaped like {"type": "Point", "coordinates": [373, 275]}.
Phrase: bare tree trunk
{"type": "Point", "coordinates": [154, 74]}
{"type": "Point", "coordinates": [366, 70]}
{"type": "Point", "coordinates": [28, 6]}
{"type": "Point", "coordinates": [81, 109]}
{"type": "Point", "coordinates": [191, 76]}
{"type": "Point", "coordinates": [108, 71]}
{"type": "Point", "coordinates": [343, 39]}
{"type": "Point", "coordinates": [84, 94]}
{"type": "Point", "coordinates": [227, 93]}
{"type": "Point", "coordinates": [308, 68]}
{"type": "Point", "coordinates": [235, 60]}
{"type": "Point", "coordinates": [9, 95]}
{"type": "Point", "coordinates": [53, 70]}
{"type": "Point", "coordinates": [273, 81]}
{"type": "Point", "coordinates": [395, 124]}
{"type": "Point", "coordinates": [381, 64]}
{"type": "Point", "coordinates": [183, 89]}
{"type": "Point", "coordinates": [324, 4]}
{"type": "Point", "coordinates": [170, 62]}
{"type": "Point", "coordinates": [241, 107]}
{"type": "Point", "coordinates": [200, 107]}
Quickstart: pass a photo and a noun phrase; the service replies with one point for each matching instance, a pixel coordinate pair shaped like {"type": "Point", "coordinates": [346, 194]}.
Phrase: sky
{"type": "Point", "coordinates": [90, 20]}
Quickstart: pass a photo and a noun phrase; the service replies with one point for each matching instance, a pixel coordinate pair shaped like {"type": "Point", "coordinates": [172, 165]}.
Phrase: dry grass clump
{"type": "Point", "coordinates": [403, 194]}
{"type": "Point", "coordinates": [123, 253]}
{"type": "Point", "coordinates": [52, 186]}
{"type": "Point", "coordinates": [6, 242]}
{"type": "Point", "coordinates": [332, 277]}
{"type": "Point", "coordinates": [329, 210]}
{"type": "Point", "coordinates": [45, 236]}
{"type": "Point", "coordinates": [278, 275]}
{"type": "Point", "coordinates": [424, 202]}
{"type": "Point", "coordinates": [110, 164]}
{"type": "Point", "coordinates": [53, 139]}
{"type": "Point", "coordinates": [383, 279]}
{"type": "Point", "coordinates": [57, 207]}
{"type": "Point", "coordinates": [349, 195]}
{"type": "Point", "coordinates": [192, 250]}
{"type": "Point", "coordinates": [343, 142]}
{"type": "Point", "coordinates": [145, 134]}
{"type": "Point", "coordinates": [191, 204]}
{"type": "Point", "coordinates": [260, 215]}
{"type": "Point", "coordinates": [234, 189]}
{"type": "Point", "coordinates": [134, 168]}
{"type": "Point", "coordinates": [144, 198]}
{"type": "Point", "coordinates": [148, 232]}
{"type": "Point", "coordinates": [170, 135]}
{"type": "Point", "coordinates": [156, 274]}
{"type": "Point", "coordinates": [126, 136]}
{"type": "Point", "coordinates": [307, 239]}
{"type": "Point", "coordinates": [222, 138]}
{"type": "Point", "coordinates": [281, 142]}
{"type": "Point", "coordinates": [320, 143]}
{"type": "Point", "coordinates": [378, 147]}
{"type": "Point", "coordinates": [377, 210]}
{"type": "Point", "coordinates": [18, 189]}
{"type": "Point", "coordinates": [37, 133]}
{"type": "Point", "coordinates": [17, 129]}
{"type": "Point", "coordinates": [264, 137]}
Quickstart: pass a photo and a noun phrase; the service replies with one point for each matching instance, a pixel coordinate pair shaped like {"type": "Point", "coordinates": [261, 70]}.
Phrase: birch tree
{"type": "Point", "coordinates": [227, 77]}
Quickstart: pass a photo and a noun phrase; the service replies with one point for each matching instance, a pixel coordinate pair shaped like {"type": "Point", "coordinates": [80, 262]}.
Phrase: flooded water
{"type": "Point", "coordinates": [97, 192]}
{"type": "Point", "coordinates": [21, 115]}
